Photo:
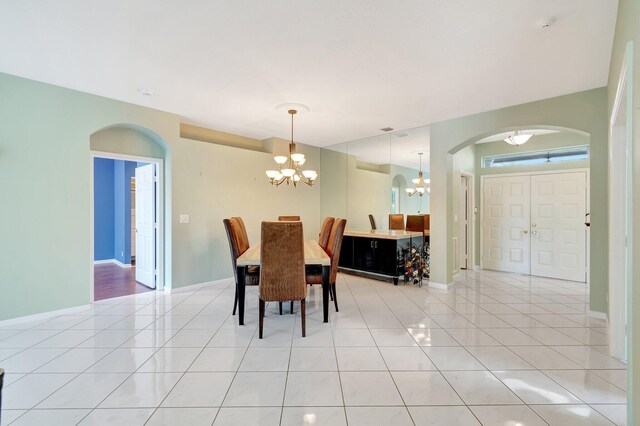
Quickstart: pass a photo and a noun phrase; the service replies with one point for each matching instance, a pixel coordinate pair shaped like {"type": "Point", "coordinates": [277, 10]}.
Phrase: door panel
{"type": "Point", "coordinates": [506, 209]}
{"type": "Point", "coordinates": [558, 235]}
{"type": "Point", "coordinates": [145, 225]}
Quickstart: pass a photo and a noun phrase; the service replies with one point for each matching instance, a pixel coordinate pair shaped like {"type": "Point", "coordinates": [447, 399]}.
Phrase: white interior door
{"type": "Point", "coordinates": [558, 234]}
{"type": "Point", "coordinates": [145, 225]}
{"type": "Point", "coordinates": [505, 224]}
{"type": "Point", "coordinates": [464, 222]}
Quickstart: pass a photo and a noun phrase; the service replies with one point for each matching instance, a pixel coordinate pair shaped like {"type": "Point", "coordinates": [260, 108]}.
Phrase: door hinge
{"type": "Point", "coordinates": [155, 178]}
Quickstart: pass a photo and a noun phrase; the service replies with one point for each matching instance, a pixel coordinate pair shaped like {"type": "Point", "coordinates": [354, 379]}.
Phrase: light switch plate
{"type": "Point", "coordinates": [184, 218]}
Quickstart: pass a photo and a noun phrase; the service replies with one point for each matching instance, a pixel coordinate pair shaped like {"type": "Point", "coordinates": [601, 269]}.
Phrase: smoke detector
{"type": "Point", "coordinates": [546, 22]}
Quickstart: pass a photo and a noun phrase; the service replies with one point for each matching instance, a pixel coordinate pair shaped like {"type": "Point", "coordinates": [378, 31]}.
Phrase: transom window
{"type": "Point", "coordinates": [537, 157]}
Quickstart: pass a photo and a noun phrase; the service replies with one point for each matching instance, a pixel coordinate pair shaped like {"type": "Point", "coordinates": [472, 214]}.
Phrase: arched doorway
{"type": "Point", "coordinates": [127, 211]}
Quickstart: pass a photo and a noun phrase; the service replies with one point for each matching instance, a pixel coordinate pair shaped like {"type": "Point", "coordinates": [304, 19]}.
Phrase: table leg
{"type": "Point", "coordinates": [325, 292]}
{"type": "Point", "coordinates": [242, 272]}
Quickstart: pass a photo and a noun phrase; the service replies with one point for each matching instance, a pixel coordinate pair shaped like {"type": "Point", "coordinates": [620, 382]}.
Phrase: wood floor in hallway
{"type": "Point", "coordinates": [110, 280]}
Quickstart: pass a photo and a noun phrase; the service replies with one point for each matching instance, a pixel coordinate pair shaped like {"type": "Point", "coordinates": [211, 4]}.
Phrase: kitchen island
{"type": "Point", "coordinates": [379, 254]}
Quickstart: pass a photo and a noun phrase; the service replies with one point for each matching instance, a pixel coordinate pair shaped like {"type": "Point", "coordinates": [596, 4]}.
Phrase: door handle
{"type": "Point", "coordinates": [534, 232]}
{"type": "Point", "coordinates": [533, 225]}
{"type": "Point", "coordinates": [372, 244]}
{"type": "Point", "coordinates": [375, 244]}
{"type": "Point", "coordinates": [525, 231]}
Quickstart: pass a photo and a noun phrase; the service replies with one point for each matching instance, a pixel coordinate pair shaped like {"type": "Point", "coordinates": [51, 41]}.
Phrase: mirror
{"type": "Point", "coordinates": [370, 176]}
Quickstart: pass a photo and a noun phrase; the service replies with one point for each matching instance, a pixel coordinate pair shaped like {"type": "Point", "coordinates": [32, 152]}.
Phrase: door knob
{"type": "Point", "coordinates": [534, 232]}
{"type": "Point", "coordinates": [533, 225]}
{"type": "Point", "coordinates": [525, 231]}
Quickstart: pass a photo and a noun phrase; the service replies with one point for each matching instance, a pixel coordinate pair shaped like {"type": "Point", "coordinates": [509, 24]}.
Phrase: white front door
{"type": "Point", "coordinates": [145, 225]}
{"type": "Point", "coordinates": [558, 234]}
{"type": "Point", "coordinates": [505, 224]}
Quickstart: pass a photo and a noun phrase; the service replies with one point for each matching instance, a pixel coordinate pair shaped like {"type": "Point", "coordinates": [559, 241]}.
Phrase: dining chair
{"type": "Point", "coordinates": [325, 232]}
{"type": "Point", "coordinates": [333, 251]}
{"type": "Point", "coordinates": [282, 275]}
{"type": "Point", "coordinates": [237, 246]}
{"type": "Point", "coordinates": [243, 231]}
{"type": "Point", "coordinates": [288, 218]}
{"type": "Point", "coordinates": [1, 380]}
{"type": "Point", "coordinates": [372, 221]}
{"type": "Point", "coordinates": [396, 222]}
{"type": "Point", "coordinates": [417, 222]}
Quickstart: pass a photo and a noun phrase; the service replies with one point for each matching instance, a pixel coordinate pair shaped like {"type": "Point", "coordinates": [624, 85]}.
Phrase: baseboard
{"type": "Point", "coordinates": [438, 285]}
{"type": "Point", "coordinates": [199, 285]}
{"type": "Point", "coordinates": [44, 315]}
{"type": "Point", "coordinates": [598, 315]}
{"type": "Point", "coordinates": [114, 261]}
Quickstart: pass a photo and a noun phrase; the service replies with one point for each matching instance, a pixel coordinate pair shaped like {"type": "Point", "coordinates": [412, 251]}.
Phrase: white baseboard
{"type": "Point", "coordinates": [598, 315]}
{"type": "Point", "coordinates": [193, 287]}
{"type": "Point", "coordinates": [438, 285]}
{"type": "Point", "coordinates": [114, 261]}
{"type": "Point", "coordinates": [44, 315]}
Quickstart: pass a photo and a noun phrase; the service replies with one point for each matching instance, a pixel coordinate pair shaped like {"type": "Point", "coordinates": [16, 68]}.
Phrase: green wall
{"type": "Point", "coordinates": [583, 111]}
{"type": "Point", "coordinates": [45, 180]}
{"type": "Point", "coordinates": [46, 137]}
{"type": "Point", "coordinates": [627, 36]}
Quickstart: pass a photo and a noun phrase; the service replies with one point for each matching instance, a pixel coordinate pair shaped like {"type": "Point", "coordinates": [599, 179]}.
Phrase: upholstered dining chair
{"type": "Point", "coordinates": [334, 245]}
{"type": "Point", "coordinates": [281, 267]}
{"type": "Point", "coordinates": [288, 218]}
{"type": "Point", "coordinates": [325, 232]}
{"type": "Point", "coordinates": [396, 222]}
{"type": "Point", "coordinates": [237, 246]}
{"type": "Point", "coordinates": [372, 221]}
{"type": "Point", "coordinates": [417, 222]}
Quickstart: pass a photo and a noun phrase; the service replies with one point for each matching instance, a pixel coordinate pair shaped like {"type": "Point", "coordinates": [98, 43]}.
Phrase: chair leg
{"type": "Point", "coordinates": [235, 302]}
{"type": "Point", "coordinates": [330, 293]}
{"type": "Point", "coordinates": [261, 317]}
{"type": "Point", "coordinates": [335, 296]}
{"type": "Point", "coordinates": [304, 317]}
{"type": "Point", "coordinates": [291, 307]}
{"type": "Point", "coordinates": [280, 307]}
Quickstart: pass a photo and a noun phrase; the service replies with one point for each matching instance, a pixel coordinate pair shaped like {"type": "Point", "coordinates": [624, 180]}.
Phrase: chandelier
{"type": "Point", "coordinates": [518, 139]}
{"type": "Point", "coordinates": [422, 185]}
{"type": "Point", "coordinates": [289, 167]}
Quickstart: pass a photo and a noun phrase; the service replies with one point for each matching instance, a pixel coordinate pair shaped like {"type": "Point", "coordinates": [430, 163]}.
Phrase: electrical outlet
{"type": "Point", "coordinates": [122, 253]}
{"type": "Point", "coordinates": [184, 218]}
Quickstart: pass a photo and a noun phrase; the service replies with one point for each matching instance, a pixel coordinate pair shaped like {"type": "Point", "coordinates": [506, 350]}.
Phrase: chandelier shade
{"type": "Point", "coordinates": [290, 167]}
{"type": "Point", "coordinates": [518, 138]}
{"type": "Point", "coordinates": [422, 185]}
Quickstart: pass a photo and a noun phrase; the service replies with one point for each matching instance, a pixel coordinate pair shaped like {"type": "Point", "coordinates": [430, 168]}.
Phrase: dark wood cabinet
{"type": "Point", "coordinates": [376, 255]}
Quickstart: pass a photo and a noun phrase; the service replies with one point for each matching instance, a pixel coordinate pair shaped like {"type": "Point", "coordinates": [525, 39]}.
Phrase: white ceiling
{"type": "Point", "coordinates": [360, 65]}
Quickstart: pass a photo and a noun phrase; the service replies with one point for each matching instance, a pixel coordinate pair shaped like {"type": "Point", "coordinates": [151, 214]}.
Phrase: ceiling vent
{"type": "Point", "coordinates": [387, 129]}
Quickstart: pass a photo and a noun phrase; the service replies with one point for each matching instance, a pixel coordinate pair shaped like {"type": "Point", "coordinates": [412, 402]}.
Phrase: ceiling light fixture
{"type": "Point", "coordinates": [422, 185]}
{"type": "Point", "coordinates": [517, 138]}
{"type": "Point", "coordinates": [289, 167]}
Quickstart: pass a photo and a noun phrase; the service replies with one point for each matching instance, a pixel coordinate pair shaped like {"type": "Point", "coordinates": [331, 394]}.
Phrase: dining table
{"type": "Point", "coordinates": [314, 255]}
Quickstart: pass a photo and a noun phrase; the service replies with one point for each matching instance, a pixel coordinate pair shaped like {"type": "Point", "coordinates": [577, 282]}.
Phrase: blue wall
{"type": "Point", "coordinates": [103, 208]}
{"type": "Point", "coordinates": [112, 208]}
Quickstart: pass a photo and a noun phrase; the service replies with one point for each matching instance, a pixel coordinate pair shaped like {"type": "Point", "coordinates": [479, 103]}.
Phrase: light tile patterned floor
{"type": "Point", "coordinates": [496, 347]}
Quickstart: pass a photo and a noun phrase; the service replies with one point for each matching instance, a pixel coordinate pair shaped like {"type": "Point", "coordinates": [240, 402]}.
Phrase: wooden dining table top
{"type": "Point", "coordinates": [313, 255]}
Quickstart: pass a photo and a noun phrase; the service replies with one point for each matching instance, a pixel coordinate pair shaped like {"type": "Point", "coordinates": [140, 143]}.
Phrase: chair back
{"type": "Point", "coordinates": [417, 222]}
{"type": "Point", "coordinates": [243, 231]}
{"type": "Point", "coordinates": [233, 245]}
{"type": "Point", "coordinates": [325, 232]}
{"type": "Point", "coordinates": [288, 218]}
{"type": "Point", "coordinates": [372, 221]}
{"type": "Point", "coordinates": [236, 228]}
{"type": "Point", "coordinates": [334, 245]}
{"type": "Point", "coordinates": [282, 262]}
{"type": "Point", "coordinates": [396, 222]}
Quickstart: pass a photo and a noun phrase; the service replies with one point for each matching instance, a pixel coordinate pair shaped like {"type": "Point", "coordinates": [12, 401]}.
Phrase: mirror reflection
{"type": "Point", "coordinates": [368, 179]}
